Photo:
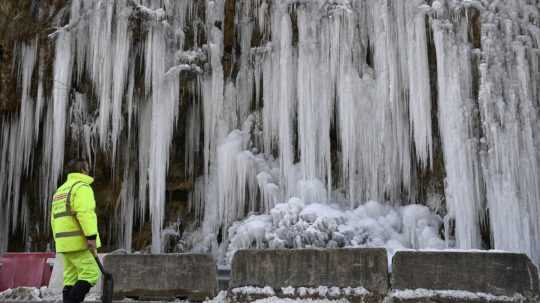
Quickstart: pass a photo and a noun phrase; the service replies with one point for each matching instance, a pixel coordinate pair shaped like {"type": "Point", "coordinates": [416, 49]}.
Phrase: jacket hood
{"type": "Point", "coordinates": [80, 177]}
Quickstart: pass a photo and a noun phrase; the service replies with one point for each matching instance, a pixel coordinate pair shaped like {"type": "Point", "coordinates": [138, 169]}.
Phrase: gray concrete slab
{"type": "Point", "coordinates": [501, 274]}
{"type": "Point", "coordinates": [163, 276]}
{"type": "Point", "coordinates": [347, 267]}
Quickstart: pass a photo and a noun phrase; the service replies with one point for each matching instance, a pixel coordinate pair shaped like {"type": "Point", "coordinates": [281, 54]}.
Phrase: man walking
{"type": "Point", "coordinates": [75, 231]}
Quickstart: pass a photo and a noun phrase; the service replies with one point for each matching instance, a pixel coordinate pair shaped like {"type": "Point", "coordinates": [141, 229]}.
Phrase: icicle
{"type": "Point", "coordinates": [308, 108]}
{"type": "Point", "coordinates": [40, 99]}
{"type": "Point", "coordinates": [145, 126]}
{"type": "Point", "coordinates": [61, 90]}
{"type": "Point", "coordinates": [391, 86]}
{"type": "Point", "coordinates": [18, 141]}
{"type": "Point", "coordinates": [231, 183]}
{"type": "Point", "coordinates": [285, 97]}
{"type": "Point", "coordinates": [99, 54]}
{"type": "Point", "coordinates": [193, 131]}
{"type": "Point", "coordinates": [164, 113]}
{"type": "Point", "coordinates": [213, 85]}
{"type": "Point", "coordinates": [26, 115]}
{"type": "Point", "coordinates": [7, 133]}
{"type": "Point", "coordinates": [455, 122]}
{"type": "Point", "coordinates": [120, 70]}
{"type": "Point", "coordinates": [197, 200]}
{"type": "Point", "coordinates": [269, 191]}
{"type": "Point", "coordinates": [79, 8]}
{"type": "Point", "coordinates": [127, 215]}
{"type": "Point", "coordinates": [509, 105]}
{"type": "Point", "coordinates": [47, 183]}
{"type": "Point", "coordinates": [244, 78]}
{"type": "Point", "coordinates": [270, 109]}
{"type": "Point", "coordinates": [419, 87]}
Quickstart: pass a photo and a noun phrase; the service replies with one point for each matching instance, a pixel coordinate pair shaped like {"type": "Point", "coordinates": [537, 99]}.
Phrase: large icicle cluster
{"type": "Point", "coordinates": [331, 103]}
{"type": "Point", "coordinates": [509, 101]}
{"type": "Point", "coordinates": [95, 58]}
{"type": "Point", "coordinates": [18, 134]}
{"type": "Point", "coordinates": [358, 72]}
{"type": "Point", "coordinates": [456, 114]}
{"type": "Point", "coordinates": [296, 224]}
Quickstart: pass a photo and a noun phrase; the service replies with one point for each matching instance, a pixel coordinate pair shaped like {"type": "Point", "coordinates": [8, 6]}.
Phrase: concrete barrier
{"type": "Point", "coordinates": [498, 274]}
{"type": "Point", "coordinates": [311, 268]}
{"type": "Point", "coordinates": [165, 276]}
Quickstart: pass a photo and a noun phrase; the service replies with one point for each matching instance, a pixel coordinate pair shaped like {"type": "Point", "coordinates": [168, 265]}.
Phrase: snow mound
{"type": "Point", "coordinates": [248, 290]}
{"type": "Point", "coordinates": [251, 290]}
{"type": "Point", "coordinates": [302, 292]}
{"type": "Point", "coordinates": [324, 291]}
{"type": "Point", "coordinates": [286, 300]}
{"type": "Point", "coordinates": [296, 224]}
{"type": "Point", "coordinates": [32, 294]}
{"type": "Point", "coordinates": [20, 294]}
{"type": "Point", "coordinates": [459, 294]}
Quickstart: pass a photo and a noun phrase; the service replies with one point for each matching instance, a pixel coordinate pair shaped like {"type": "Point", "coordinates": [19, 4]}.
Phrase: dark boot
{"type": "Point", "coordinates": [79, 291]}
{"type": "Point", "coordinates": [65, 293]}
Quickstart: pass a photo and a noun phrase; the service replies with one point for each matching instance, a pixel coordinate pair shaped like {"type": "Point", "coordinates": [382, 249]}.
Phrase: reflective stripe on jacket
{"type": "Point", "coordinates": [74, 218]}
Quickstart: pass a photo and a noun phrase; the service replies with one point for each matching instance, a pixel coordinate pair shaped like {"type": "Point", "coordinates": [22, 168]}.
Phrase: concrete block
{"type": "Point", "coordinates": [348, 267]}
{"type": "Point", "coordinates": [500, 274]}
{"type": "Point", "coordinates": [163, 276]}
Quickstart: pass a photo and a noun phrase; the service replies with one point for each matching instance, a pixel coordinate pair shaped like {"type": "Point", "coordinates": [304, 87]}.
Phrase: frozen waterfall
{"type": "Point", "coordinates": [326, 102]}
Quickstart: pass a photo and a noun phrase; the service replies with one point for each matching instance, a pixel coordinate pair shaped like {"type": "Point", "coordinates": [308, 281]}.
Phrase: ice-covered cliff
{"type": "Point", "coordinates": [328, 101]}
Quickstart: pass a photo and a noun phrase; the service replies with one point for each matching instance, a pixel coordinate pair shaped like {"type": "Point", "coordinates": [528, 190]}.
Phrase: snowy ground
{"type": "Point", "coordinates": [221, 298]}
{"type": "Point", "coordinates": [321, 291]}
{"type": "Point", "coordinates": [36, 294]}
{"type": "Point", "coordinates": [301, 294]}
{"type": "Point", "coordinates": [458, 294]}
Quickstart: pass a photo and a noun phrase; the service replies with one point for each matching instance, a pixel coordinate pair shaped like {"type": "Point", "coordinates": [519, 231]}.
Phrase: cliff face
{"type": "Point", "coordinates": [197, 113]}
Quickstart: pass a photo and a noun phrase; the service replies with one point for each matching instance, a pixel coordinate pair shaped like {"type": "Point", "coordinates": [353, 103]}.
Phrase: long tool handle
{"type": "Point", "coordinates": [98, 261]}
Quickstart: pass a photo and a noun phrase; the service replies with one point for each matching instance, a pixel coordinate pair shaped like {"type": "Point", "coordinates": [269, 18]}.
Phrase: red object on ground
{"type": "Point", "coordinates": [24, 269]}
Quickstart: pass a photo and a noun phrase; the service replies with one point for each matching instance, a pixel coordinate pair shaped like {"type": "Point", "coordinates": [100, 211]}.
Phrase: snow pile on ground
{"type": "Point", "coordinates": [20, 294]}
{"type": "Point", "coordinates": [39, 294]}
{"type": "Point", "coordinates": [296, 224]}
{"type": "Point", "coordinates": [287, 300]}
{"type": "Point", "coordinates": [458, 294]}
{"type": "Point", "coordinates": [222, 298]}
{"type": "Point", "coordinates": [252, 290]}
{"type": "Point", "coordinates": [321, 291]}
{"type": "Point", "coordinates": [324, 291]}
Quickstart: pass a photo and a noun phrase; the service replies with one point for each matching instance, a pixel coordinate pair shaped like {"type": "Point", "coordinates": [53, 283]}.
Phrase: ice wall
{"type": "Point", "coordinates": [509, 107]}
{"type": "Point", "coordinates": [331, 102]}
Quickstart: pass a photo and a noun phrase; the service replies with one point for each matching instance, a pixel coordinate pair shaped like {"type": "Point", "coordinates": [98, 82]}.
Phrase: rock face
{"type": "Point", "coordinates": [500, 274]}
{"type": "Point", "coordinates": [365, 268]}
{"type": "Point", "coordinates": [169, 276]}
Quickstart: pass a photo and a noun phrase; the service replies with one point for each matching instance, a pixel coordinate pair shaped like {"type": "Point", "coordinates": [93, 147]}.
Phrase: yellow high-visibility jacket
{"type": "Point", "coordinates": [74, 220]}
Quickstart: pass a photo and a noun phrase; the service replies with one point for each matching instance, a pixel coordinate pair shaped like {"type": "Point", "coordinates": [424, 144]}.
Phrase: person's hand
{"type": "Point", "coordinates": [91, 245]}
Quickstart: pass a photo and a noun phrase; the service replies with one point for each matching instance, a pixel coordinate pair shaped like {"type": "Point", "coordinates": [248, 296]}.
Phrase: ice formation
{"type": "Point", "coordinates": [297, 224]}
{"type": "Point", "coordinates": [289, 127]}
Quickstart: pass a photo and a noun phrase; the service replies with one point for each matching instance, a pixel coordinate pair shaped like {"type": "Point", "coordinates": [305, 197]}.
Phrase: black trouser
{"type": "Point", "coordinates": [76, 293]}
